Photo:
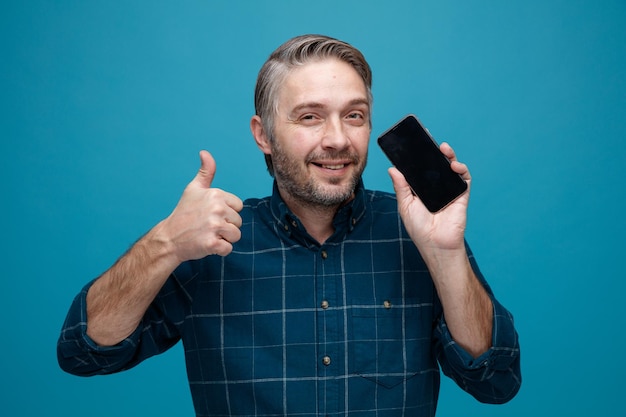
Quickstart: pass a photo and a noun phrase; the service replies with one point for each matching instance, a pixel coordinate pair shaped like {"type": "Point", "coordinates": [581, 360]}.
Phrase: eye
{"type": "Point", "coordinates": [356, 118]}
{"type": "Point", "coordinates": [309, 119]}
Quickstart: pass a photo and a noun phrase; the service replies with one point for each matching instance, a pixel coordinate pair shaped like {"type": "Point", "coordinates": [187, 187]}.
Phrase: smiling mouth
{"type": "Point", "coordinates": [337, 161]}
{"type": "Point", "coordinates": [333, 167]}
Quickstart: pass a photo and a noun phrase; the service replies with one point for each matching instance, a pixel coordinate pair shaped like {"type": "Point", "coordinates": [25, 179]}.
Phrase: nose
{"type": "Point", "coordinates": [335, 134]}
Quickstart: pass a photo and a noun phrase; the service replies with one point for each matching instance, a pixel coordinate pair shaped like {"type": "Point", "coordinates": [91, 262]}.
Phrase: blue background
{"type": "Point", "coordinates": [104, 106]}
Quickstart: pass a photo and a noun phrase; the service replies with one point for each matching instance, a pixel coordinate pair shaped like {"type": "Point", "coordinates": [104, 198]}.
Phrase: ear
{"type": "Point", "coordinates": [260, 137]}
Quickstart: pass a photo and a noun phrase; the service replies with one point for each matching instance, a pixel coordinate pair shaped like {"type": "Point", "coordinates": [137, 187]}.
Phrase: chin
{"type": "Point", "coordinates": [333, 195]}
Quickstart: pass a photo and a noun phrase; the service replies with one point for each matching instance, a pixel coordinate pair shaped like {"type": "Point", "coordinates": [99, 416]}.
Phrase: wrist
{"type": "Point", "coordinates": [448, 265]}
{"type": "Point", "coordinates": [159, 246]}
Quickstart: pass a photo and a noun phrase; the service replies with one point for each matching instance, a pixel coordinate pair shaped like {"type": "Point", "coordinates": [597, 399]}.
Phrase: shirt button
{"type": "Point", "coordinates": [326, 360]}
{"type": "Point", "coordinates": [325, 304]}
{"type": "Point", "coordinates": [324, 254]}
{"type": "Point", "coordinates": [387, 304]}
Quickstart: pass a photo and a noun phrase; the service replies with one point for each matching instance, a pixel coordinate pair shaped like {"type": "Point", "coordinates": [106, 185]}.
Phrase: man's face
{"type": "Point", "coordinates": [321, 133]}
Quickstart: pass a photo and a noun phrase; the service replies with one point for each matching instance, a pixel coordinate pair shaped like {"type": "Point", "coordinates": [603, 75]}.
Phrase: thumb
{"type": "Point", "coordinates": [401, 187]}
{"type": "Point", "coordinates": [206, 173]}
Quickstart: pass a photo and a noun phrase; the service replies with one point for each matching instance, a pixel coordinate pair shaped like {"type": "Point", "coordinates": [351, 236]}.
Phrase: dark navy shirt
{"type": "Point", "coordinates": [286, 326]}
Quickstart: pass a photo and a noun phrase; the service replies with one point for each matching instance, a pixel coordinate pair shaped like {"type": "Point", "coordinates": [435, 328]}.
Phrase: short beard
{"type": "Point", "coordinates": [307, 191]}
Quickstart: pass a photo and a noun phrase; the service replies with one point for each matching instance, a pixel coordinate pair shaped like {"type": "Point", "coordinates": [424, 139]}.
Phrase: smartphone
{"type": "Point", "coordinates": [413, 151]}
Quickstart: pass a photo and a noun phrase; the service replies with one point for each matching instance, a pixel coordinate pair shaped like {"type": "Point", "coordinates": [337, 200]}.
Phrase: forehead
{"type": "Point", "coordinates": [324, 81]}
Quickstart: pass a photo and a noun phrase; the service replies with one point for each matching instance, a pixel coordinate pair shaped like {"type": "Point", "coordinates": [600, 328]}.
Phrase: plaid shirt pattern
{"type": "Point", "coordinates": [285, 326]}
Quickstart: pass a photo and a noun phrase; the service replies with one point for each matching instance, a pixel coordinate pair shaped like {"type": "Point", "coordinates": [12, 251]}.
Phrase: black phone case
{"type": "Point", "coordinates": [412, 150]}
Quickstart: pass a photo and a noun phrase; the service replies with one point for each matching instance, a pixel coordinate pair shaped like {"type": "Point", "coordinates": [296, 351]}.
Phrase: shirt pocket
{"type": "Point", "coordinates": [391, 340]}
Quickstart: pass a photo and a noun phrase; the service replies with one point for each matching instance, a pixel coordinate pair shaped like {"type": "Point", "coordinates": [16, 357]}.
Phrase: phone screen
{"type": "Point", "coordinates": [412, 150]}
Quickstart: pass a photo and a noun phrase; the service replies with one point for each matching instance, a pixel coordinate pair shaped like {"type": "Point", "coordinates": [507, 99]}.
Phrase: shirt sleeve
{"type": "Point", "coordinates": [78, 354]}
{"type": "Point", "coordinates": [495, 376]}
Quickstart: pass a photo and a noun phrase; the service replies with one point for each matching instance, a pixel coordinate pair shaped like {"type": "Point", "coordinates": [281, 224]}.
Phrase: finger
{"type": "Point", "coordinates": [223, 243]}
{"type": "Point", "coordinates": [458, 167]}
{"type": "Point", "coordinates": [233, 218]}
{"type": "Point", "coordinates": [230, 233]}
{"type": "Point", "coordinates": [447, 150]}
{"type": "Point", "coordinates": [206, 173]}
{"type": "Point", "coordinates": [221, 248]}
{"type": "Point", "coordinates": [227, 205]}
{"type": "Point", "coordinates": [461, 169]}
{"type": "Point", "coordinates": [233, 202]}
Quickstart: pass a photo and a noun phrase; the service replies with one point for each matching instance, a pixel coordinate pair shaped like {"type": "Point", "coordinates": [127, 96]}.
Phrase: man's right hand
{"type": "Point", "coordinates": [206, 220]}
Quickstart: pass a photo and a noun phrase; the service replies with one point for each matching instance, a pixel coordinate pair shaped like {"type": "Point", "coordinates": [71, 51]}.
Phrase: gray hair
{"type": "Point", "coordinates": [297, 52]}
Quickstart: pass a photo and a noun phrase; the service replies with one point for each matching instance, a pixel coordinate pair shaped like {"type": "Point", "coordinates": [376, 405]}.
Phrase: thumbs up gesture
{"type": "Point", "coordinates": [206, 220]}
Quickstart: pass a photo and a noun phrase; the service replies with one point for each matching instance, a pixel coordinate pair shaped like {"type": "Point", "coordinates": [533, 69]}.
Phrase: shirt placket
{"type": "Point", "coordinates": [330, 331]}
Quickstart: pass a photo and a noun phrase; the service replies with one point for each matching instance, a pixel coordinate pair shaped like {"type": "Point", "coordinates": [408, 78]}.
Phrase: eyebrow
{"type": "Point", "coordinates": [318, 105]}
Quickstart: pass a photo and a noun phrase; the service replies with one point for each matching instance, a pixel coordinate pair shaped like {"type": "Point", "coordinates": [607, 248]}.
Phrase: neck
{"type": "Point", "coordinates": [317, 219]}
{"type": "Point", "coordinates": [316, 215]}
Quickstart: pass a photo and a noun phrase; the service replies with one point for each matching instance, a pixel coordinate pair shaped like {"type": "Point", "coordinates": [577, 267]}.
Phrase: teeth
{"type": "Point", "coordinates": [334, 166]}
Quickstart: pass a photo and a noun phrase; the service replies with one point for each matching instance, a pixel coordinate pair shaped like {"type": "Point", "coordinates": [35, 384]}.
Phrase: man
{"type": "Point", "coordinates": [322, 299]}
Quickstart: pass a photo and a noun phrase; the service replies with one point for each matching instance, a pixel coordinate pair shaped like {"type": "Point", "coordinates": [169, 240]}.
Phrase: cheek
{"type": "Point", "coordinates": [360, 140]}
{"type": "Point", "coordinates": [301, 141]}
{"type": "Point", "coordinates": [294, 147]}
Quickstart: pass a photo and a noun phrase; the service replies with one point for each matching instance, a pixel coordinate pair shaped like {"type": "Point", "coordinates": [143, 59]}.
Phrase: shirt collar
{"type": "Point", "coordinates": [345, 220]}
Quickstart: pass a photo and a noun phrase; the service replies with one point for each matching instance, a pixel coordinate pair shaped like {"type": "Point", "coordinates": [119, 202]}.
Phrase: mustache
{"type": "Point", "coordinates": [332, 155]}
